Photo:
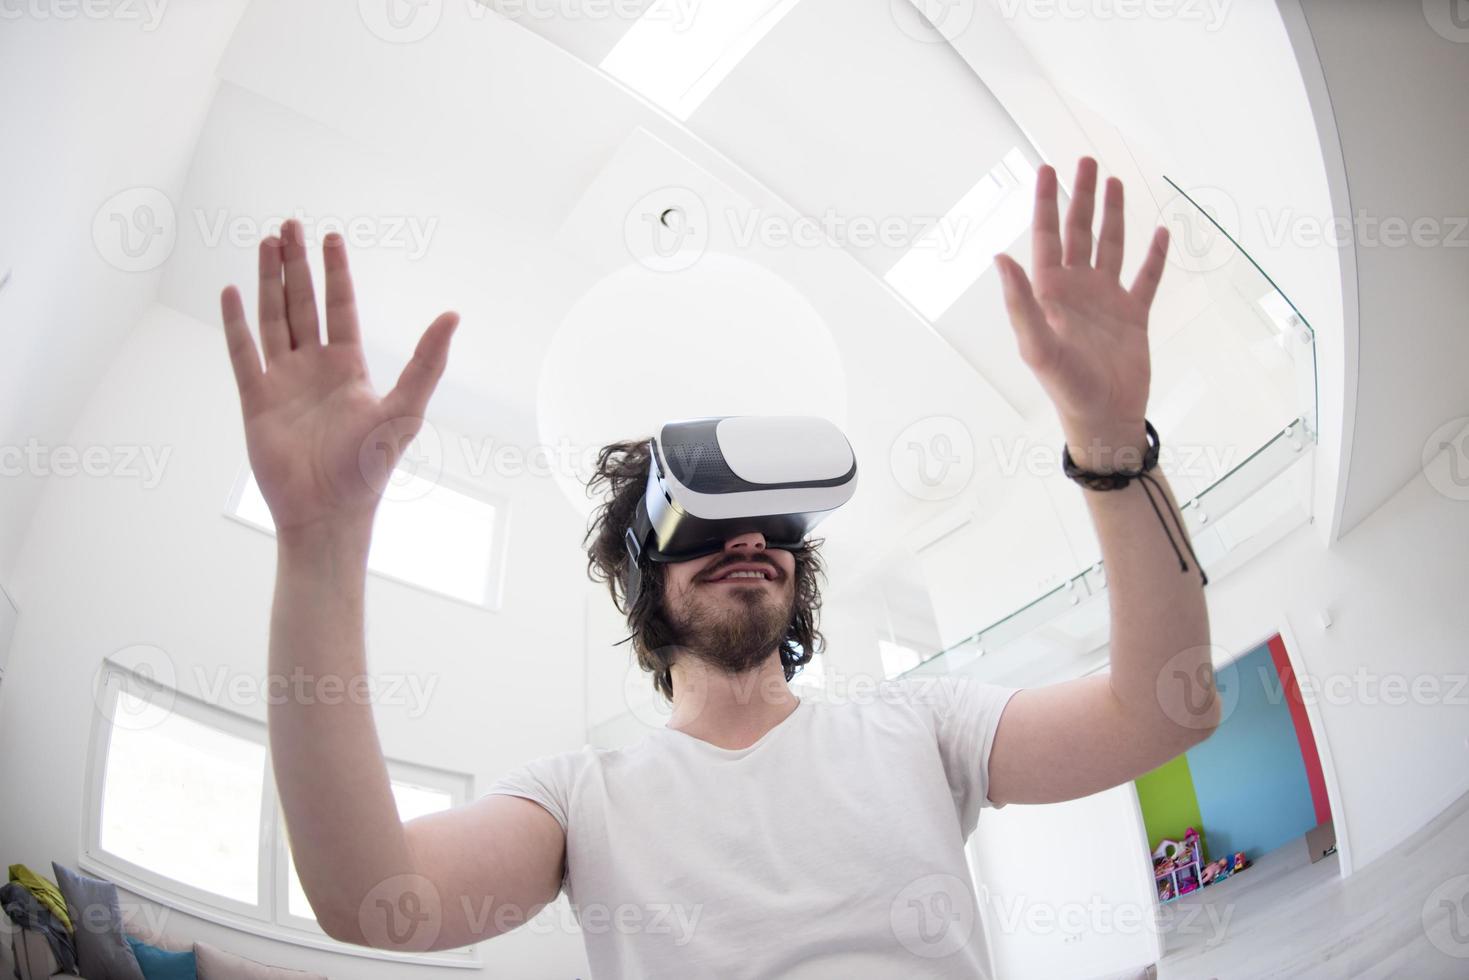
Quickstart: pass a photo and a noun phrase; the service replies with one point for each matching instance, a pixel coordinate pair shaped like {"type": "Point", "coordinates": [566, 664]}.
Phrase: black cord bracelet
{"type": "Point", "coordinates": [1120, 478]}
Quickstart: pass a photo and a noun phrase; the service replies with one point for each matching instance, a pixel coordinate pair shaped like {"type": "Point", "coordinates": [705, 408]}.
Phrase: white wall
{"type": "Point", "coordinates": [1393, 587]}
{"type": "Point", "coordinates": [87, 115]}
{"type": "Point", "coordinates": [1395, 76]}
{"type": "Point", "coordinates": [110, 563]}
{"type": "Point", "coordinates": [1066, 889]}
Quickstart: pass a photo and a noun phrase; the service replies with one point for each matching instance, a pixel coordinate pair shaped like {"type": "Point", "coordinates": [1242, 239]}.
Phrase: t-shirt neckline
{"type": "Point", "coordinates": [719, 750]}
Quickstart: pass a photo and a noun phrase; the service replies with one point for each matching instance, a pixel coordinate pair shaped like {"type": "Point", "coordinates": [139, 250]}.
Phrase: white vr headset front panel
{"type": "Point", "coordinates": [782, 449]}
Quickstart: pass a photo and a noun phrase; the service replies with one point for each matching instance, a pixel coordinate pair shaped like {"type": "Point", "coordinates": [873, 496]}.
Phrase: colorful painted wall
{"type": "Point", "coordinates": [1256, 784]}
{"type": "Point", "coordinates": [1169, 803]}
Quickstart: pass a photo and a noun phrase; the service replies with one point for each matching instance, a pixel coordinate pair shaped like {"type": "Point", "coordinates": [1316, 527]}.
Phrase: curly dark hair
{"type": "Point", "coordinates": [622, 468]}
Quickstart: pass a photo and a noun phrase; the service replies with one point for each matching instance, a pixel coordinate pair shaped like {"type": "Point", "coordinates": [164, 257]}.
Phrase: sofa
{"type": "Point", "coordinates": [26, 954]}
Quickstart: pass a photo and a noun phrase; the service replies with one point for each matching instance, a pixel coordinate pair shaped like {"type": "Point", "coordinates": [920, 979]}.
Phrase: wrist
{"type": "Point", "coordinates": [338, 535]}
{"type": "Point", "coordinates": [1107, 447]}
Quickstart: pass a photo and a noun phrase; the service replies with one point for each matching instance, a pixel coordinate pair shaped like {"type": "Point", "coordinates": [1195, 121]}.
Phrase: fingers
{"type": "Point", "coordinates": [1045, 228]}
{"type": "Point", "coordinates": [1145, 286]}
{"type": "Point", "coordinates": [275, 334]}
{"type": "Point", "coordinates": [421, 375]}
{"type": "Point", "coordinates": [341, 302]}
{"type": "Point", "coordinates": [300, 296]}
{"type": "Point", "coordinates": [1079, 216]}
{"type": "Point", "coordinates": [1032, 333]}
{"type": "Point", "coordinates": [243, 356]}
{"type": "Point", "coordinates": [1109, 243]}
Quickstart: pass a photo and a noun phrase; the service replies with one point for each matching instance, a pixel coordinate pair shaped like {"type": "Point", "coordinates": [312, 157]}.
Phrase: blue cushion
{"type": "Point", "coordinates": [163, 964]}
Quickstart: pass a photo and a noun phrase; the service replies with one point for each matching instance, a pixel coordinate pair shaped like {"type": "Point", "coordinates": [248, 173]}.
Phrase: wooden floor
{"type": "Point", "coordinates": [1405, 915]}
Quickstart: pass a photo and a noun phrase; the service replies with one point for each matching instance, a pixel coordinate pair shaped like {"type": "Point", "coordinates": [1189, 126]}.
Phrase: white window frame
{"type": "Point", "coordinates": [495, 589]}
{"type": "Point", "coordinates": [269, 917]}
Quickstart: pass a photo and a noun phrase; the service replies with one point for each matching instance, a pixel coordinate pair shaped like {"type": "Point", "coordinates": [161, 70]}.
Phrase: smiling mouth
{"type": "Point", "coordinates": [751, 572]}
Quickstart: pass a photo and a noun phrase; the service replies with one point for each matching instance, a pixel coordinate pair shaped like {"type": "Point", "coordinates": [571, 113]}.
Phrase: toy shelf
{"type": "Point", "coordinates": [1178, 868]}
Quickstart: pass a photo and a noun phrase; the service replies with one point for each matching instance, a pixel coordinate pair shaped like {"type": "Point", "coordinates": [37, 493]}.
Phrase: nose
{"type": "Point", "coordinates": [749, 543]}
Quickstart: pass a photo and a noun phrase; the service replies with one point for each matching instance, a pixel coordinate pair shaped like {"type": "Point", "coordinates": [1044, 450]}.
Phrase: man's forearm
{"type": "Point", "coordinates": [1161, 670]}
{"type": "Point", "coordinates": [344, 827]}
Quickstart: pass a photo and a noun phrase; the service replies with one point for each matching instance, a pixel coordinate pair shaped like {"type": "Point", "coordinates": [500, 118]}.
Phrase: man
{"type": "Point", "coordinates": [756, 835]}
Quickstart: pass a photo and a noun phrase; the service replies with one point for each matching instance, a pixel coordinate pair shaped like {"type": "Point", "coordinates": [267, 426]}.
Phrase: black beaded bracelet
{"type": "Point", "coordinates": [1118, 479]}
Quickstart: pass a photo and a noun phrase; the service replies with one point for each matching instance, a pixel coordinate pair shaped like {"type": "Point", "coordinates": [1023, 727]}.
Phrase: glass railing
{"type": "Point", "coordinates": [1063, 632]}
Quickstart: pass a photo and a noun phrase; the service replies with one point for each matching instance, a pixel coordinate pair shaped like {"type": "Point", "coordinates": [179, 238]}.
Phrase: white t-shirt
{"type": "Point", "coordinates": [832, 847]}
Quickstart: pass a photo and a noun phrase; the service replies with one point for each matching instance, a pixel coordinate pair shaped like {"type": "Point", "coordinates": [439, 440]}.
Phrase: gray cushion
{"type": "Point", "coordinates": [102, 952]}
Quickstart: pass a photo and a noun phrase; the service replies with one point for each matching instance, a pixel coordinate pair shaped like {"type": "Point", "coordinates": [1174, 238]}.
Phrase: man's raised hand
{"type": "Point", "coordinates": [1079, 330]}
{"type": "Point", "coordinates": [321, 443]}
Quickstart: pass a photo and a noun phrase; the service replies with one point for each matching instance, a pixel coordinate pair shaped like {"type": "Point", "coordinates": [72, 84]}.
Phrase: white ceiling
{"type": "Point", "coordinates": [520, 165]}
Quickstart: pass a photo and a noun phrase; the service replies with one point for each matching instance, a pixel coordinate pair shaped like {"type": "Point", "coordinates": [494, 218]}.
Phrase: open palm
{"type": "Point", "coordinates": [1083, 335]}
{"type": "Point", "coordinates": [322, 444]}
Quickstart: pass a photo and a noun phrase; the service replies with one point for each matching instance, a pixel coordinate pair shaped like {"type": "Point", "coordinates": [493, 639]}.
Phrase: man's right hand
{"type": "Point", "coordinates": [321, 443]}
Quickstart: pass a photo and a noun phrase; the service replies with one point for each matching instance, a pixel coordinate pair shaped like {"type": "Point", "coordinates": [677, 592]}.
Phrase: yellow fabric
{"type": "Point", "coordinates": [45, 891]}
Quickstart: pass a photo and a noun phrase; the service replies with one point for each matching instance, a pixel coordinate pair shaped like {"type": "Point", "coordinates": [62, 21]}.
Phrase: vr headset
{"type": "Point", "coordinates": [713, 478]}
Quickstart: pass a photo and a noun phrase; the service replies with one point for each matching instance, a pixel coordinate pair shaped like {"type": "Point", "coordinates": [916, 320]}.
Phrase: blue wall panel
{"type": "Point", "coordinates": [1249, 777]}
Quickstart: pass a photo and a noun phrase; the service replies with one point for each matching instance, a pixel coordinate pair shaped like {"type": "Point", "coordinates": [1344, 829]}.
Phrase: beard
{"type": "Point", "coordinates": [735, 633]}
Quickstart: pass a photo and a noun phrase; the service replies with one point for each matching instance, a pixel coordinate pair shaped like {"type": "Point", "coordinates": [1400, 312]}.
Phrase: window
{"type": "Point", "coordinates": [676, 54]}
{"type": "Point", "coordinates": [182, 798]}
{"type": "Point", "coordinates": [425, 534]}
{"type": "Point", "coordinates": [988, 219]}
{"type": "Point", "coordinates": [413, 801]}
{"type": "Point", "coordinates": [182, 810]}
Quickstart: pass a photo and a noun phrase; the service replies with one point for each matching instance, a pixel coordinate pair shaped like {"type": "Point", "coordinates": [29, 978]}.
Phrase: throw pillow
{"type": "Point", "coordinates": [215, 964]}
{"type": "Point", "coordinates": [102, 953]}
{"type": "Point", "coordinates": [161, 964]}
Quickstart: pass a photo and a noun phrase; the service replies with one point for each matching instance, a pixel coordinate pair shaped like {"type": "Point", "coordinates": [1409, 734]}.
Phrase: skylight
{"type": "Point", "coordinates": [987, 219]}
{"type": "Point", "coordinates": [678, 53]}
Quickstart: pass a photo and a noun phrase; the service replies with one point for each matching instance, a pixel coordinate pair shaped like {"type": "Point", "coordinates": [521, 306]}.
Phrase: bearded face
{"type": "Point", "coordinates": [732, 609]}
